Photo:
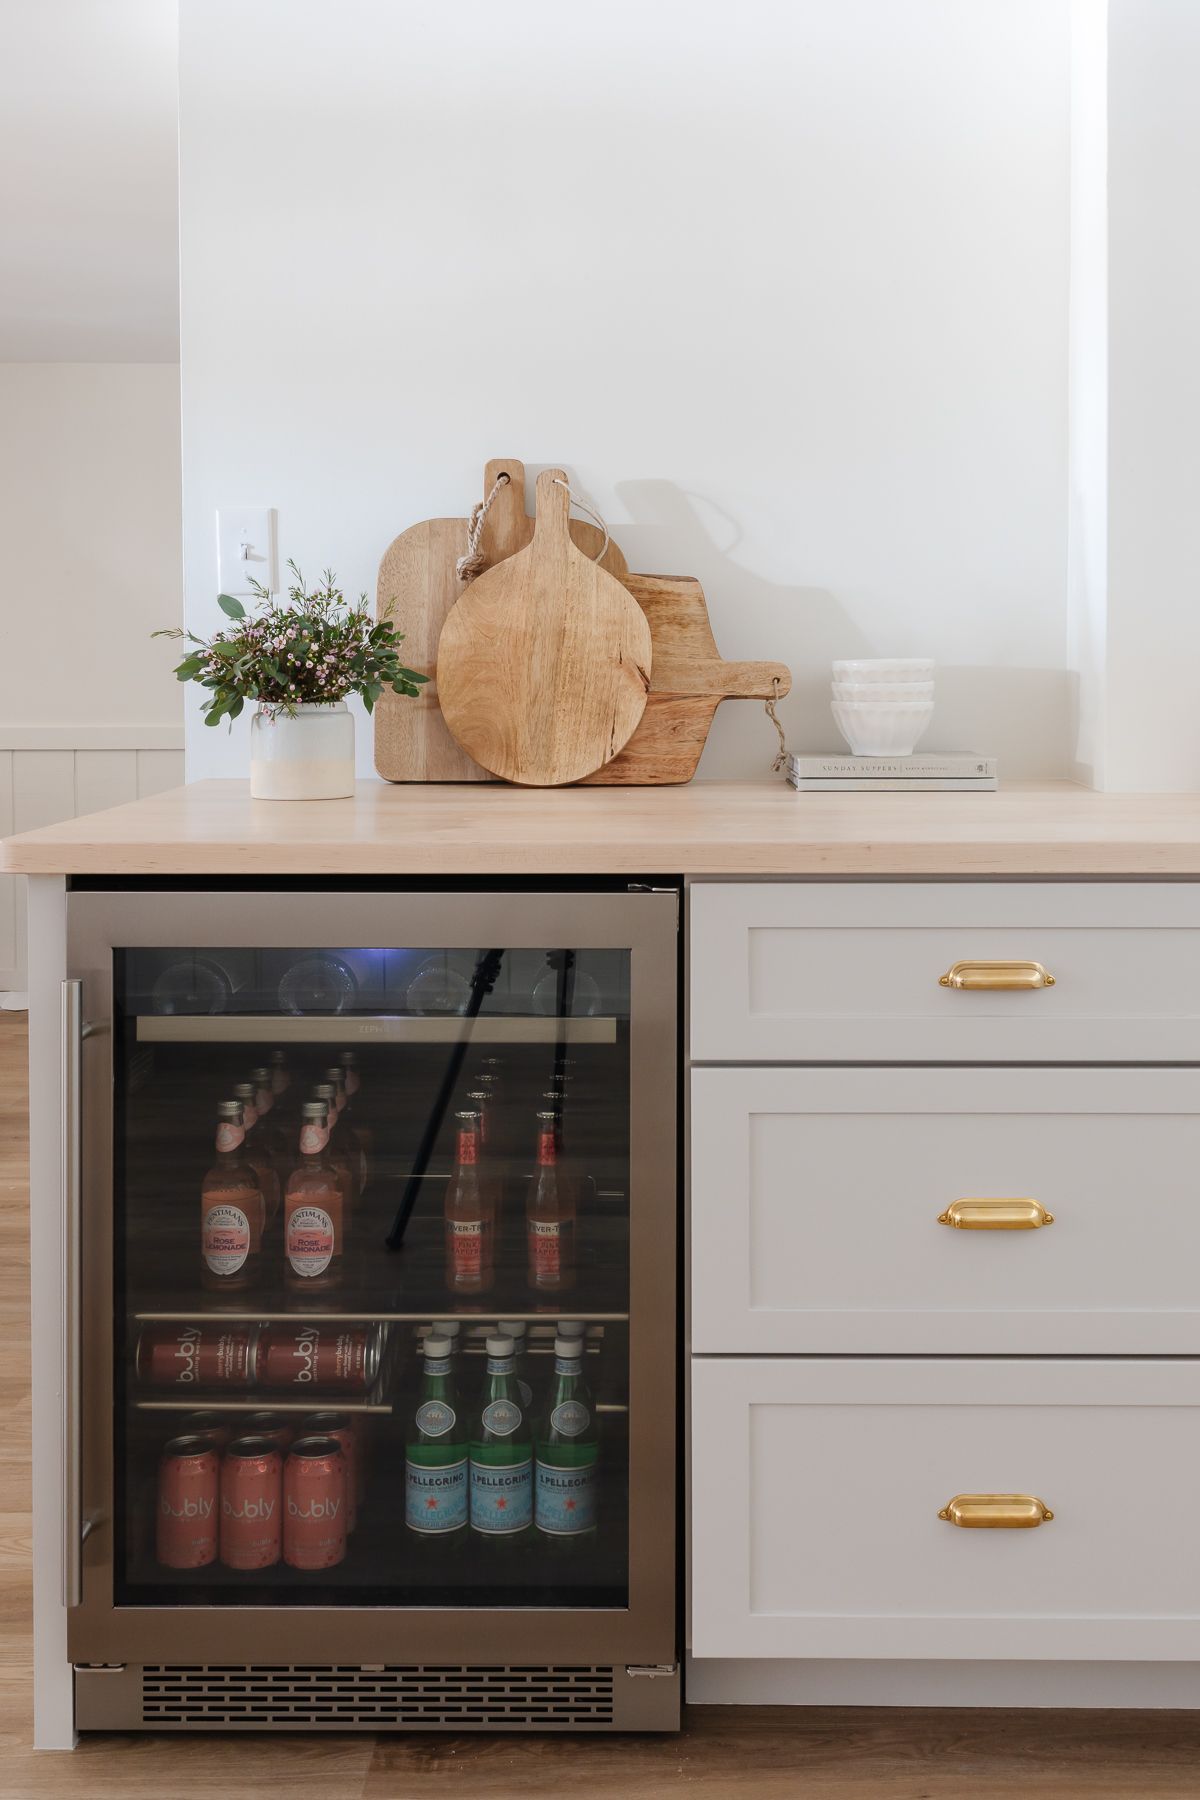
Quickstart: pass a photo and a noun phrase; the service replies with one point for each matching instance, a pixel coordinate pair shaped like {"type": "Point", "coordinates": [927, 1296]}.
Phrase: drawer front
{"type": "Point", "coordinates": [817, 1196]}
{"type": "Point", "coordinates": [817, 1487]}
{"type": "Point", "coordinates": [852, 972]}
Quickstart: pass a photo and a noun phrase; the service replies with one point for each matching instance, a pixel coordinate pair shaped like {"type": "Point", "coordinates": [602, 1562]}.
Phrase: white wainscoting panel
{"type": "Point", "coordinates": [62, 772]}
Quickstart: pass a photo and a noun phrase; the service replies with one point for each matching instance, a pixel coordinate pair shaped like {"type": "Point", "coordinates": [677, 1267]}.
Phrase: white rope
{"type": "Point", "coordinates": [584, 507]}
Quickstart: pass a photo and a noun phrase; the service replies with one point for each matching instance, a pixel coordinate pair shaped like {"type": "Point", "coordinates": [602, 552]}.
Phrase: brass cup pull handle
{"type": "Point", "coordinates": [995, 977]}
{"type": "Point", "coordinates": [996, 1512]}
{"type": "Point", "coordinates": [995, 1215]}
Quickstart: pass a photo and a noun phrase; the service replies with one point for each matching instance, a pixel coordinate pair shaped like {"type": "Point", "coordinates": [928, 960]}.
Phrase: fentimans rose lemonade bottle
{"type": "Point", "coordinates": [255, 1148]}
{"type": "Point", "coordinates": [550, 1217]}
{"type": "Point", "coordinates": [313, 1216]}
{"type": "Point", "coordinates": [470, 1236]}
{"type": "Point", "coordinates": [232, 1209]}
{"type": "Point", "coordinates": [327, 1091]}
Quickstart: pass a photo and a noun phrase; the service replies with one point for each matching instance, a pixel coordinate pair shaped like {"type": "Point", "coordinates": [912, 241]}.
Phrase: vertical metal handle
{"type": "Point", "coordinates": [72, 1185]}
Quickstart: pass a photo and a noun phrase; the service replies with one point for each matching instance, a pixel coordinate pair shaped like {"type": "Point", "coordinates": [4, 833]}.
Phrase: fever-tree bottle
{"type": "Point", "coordinates": [568, 1450]}
{"type": "Point", "coordinates": [435, 1458]}
{"type": "Point", "coordinates": [501, 1452]}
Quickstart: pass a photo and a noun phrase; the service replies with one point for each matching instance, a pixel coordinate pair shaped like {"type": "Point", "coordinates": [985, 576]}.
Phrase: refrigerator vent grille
{"type": "Point", "coordinates": [413, 1695]}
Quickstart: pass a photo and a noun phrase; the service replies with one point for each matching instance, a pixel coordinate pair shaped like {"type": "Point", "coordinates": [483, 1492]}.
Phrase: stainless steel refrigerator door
{"type": "Point", "coordinates": [644, 924]}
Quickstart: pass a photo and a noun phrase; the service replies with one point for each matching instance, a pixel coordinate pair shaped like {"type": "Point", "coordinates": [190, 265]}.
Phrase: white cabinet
{"type": "Point", "coordinates": [817, 1487]}
{"type": "Point", "coordinates": [853, 972]}
{"type": "Point", "coordinates": [818, 1196]}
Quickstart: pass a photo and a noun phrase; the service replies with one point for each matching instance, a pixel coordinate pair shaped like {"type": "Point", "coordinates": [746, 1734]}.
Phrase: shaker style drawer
{"type": "Point", "coordinates": [946, 1211]}
{"type": "Point", "coordinates": [945, 972]}
{"type": "Point", "coordinates": [825, 1496]}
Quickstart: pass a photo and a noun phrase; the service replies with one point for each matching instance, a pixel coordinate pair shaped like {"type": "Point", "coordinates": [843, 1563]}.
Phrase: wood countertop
{"type": "Point", "coordinates": [707, 828]}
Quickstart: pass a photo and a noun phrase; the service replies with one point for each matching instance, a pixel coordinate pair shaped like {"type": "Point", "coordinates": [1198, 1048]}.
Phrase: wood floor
{"type": "Point", "coordinates": [727, 1753]}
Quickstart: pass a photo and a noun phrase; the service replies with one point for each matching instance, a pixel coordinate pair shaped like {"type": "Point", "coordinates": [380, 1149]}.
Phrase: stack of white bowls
{"type": "Point", "coordinates": [883, 705]}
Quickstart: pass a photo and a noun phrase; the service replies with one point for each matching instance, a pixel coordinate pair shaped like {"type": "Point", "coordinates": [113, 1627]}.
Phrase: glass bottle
{"type": "Point", "coordinates": [232, 1209]}
{"type": "Point", "coordinates": [549, 1217]}
{"type": "Point", "coordinates": [349, 1062]}
{"type": "Point", "coordinates": [313, 1229]}
{"type": "Point", "coordinates": [281, 1078]}
{"type": "Point", "coordinates": [568, 1451]}
{"type": "Point", "coordinates": [436, 1453]}
{"type": "Point", "coordinates": [501, 1452]}
{"type": "Point", "coordinates": [326, 1091]}
{"type": "Point", "coordinates": [470, 1240]}
{"type": "Point", "coordinates": [322, 983]}
{"type": "Point", "coordinates": [270, 1128]}
{"type": "Point", "coordinates": [255, 1149]}
{"type": "Point", "coordinates": [516, 1330]}
{"type": "Point", "coordinates": [345, 1137]}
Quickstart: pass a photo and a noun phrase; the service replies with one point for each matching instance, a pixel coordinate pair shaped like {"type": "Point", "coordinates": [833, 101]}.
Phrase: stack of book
{"type": "Point", "coordinates": [955, 773]}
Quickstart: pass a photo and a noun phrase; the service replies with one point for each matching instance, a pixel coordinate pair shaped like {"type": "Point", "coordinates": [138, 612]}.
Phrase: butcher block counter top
{"type": "Point", "coordinates": [711, 828]}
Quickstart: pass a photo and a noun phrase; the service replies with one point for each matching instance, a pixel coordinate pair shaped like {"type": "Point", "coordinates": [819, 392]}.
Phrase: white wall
{"type": "Point", "coordinates": [90, 714]}
{"type": "Point", "coordinates": [784, 285]}
{"type": "Point", "coordinates": [1154, 396]}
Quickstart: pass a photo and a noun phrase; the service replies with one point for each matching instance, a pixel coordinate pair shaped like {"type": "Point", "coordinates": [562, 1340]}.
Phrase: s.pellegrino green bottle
{"type": "Point", "coordinates": [568, 1449]}
{"type": "Point", "coordinates": [501, 1452]}
{"type": "Point", "coordinates": [436, 1457]}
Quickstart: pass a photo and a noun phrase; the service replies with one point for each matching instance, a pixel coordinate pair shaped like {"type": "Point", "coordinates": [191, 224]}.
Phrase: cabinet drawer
{"type": "Point", "coordinates": [816, 1489]}
{"type": "Point", "coordinates": [817, 1196]}
{"type": "Point", "coordinates": [833, 972]}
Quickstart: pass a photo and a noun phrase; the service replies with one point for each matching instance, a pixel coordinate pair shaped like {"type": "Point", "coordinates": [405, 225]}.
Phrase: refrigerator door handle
{"type": "Point", "coordinates": [72, 1188]}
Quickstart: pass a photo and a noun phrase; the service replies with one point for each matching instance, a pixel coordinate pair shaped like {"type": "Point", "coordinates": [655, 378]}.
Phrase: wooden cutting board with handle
{"type": "Point", "coordinates": [544, 662]}
{"type": "Point", "coordinates": [688, 682]}
{"type": "Point", "coordinates": [418, 572]}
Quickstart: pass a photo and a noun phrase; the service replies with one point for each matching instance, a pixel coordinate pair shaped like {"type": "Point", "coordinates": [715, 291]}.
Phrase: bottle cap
{"type": "Point", "coordinates": [244, 1090]}
{"type": "Point", "coordinates": [572, 1347]}
{"type": "Point", "coordinates": [348, 1058]}
{"type": "Point", "coordinates": [276, 1058]}
{"type": "Point", "coordinates": [513, 1328]}
{"type": "Point", "coordinates": [470, 1117]}
{"type": "Point", "coordinates": [437, 1346]}
{"type": "Point", "coordinates": [336, 1074]}
{"type": "Point", "coordinates": [548, 1115]}
{"type": "Point", "coordinates": [312, 1109]}
{"type": "Point", "coordinates": [325, 1090]}
{"type": "Point", "coordinates": [259, 1076]}
{"type": "Point", "coordinates": [571, 1328]}
{"type": "Point", "coordinates": [230, 1109]}
{"type": "Point", "coordinates": [499, 1346]}
{"type": "Point", "coordinates": [447, 1328]}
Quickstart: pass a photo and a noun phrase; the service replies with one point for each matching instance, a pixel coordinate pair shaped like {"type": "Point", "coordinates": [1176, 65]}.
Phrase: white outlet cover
{"type": "Point", "coordinates": [246, 550]}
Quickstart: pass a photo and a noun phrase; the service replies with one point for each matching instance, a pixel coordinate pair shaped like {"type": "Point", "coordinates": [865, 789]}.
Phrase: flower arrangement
{"type": "Point", "coordinates": [317, 648]}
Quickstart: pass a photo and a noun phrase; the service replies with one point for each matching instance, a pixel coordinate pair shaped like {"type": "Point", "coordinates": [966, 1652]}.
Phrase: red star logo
{"type": "Point", "coordinates": [570, 1506]}
{"type": "Point", "coordinates": [431, 1503]}
{"type": "Point", "coordinates": [500, 1505]}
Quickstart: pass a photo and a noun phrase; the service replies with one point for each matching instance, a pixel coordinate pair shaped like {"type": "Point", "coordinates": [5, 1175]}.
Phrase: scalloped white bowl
{"type": "Point", "coordinates": [875, 691]}
{"type": "Point", "coordinates": [884, 668]}
{"type": "Point", "coordinates": [892, 728]}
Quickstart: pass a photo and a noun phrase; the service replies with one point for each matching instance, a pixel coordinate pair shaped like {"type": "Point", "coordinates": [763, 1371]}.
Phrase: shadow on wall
{"type": "Point", "coordinates": [1023, 715]}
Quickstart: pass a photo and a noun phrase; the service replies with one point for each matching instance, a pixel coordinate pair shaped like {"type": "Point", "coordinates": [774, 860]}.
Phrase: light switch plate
{"type": "Point", "coordinates": [246, 549]}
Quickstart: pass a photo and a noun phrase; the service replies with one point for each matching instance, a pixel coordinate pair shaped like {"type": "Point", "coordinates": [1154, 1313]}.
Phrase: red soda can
{"type": "Point", "coordinates": [198, 1356]}
{"type": "Point", "coordinates": [343, 1428]}
{"type": "Point", "coordinates": [209, 1424]}
{"type": "Point", "coordinates": [314, 1504]}
{"type": "Point", "coordinates": [186, 1522]}
{"type": "Point", "coordinates": [315, 1356]}
{"type": "Point", "coordinates": [251, 1504]}
{"type": "Point", "coordinates": [276, 1426]}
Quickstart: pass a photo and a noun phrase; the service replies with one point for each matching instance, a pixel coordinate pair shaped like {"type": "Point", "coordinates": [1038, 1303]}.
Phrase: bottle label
{"type": "Point", "coordinates": [435, 1499]}
{"type": "Point", "coordinates": [468, 1149]}
{"type": "Point", "coordinates": [500, 1365]}
{"type": "Point", "coordinates": [501, 1498]}
{"type": "Point", "coordinates": [313, 1138]}
{"type": "Point", "coordinates": [230, 1136]}
{"type": "Point", "coordinates": [437, 1365]}
{"type": "Point", "coordinates": [501, 1417]}
{"type": "Point", "coordinates": [570, 1418]}
{"type": "Point", "coordinates": [434, 1417]}
{"type": "Point", "coordinates": [466, 1246]}
{"type": "Point", "coordinates": [566, 1499]}
{"type": "Point", "coordinates": [545, 1248]}
{"type": "Point", "coordinates": [225, 1239]}
{"type": "Point", "coordinates": [310, 1240]}
{"type": "Point", "coordinates": [545, 1150]}
{"type": "Point", "coordinates": [563, 1367]}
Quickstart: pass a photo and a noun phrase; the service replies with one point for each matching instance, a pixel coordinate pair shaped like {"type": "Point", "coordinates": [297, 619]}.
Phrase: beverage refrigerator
{"type": "Point", "coordinates": [371, 1213]}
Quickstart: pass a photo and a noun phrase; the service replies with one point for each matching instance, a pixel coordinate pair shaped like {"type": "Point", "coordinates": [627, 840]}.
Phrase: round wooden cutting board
{"type": "Point", "coordinates": [544, 663]}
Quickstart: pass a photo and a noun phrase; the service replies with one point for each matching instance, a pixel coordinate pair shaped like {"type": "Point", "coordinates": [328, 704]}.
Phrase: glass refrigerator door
{"type": "Point", "coordinates": [371, 1275]}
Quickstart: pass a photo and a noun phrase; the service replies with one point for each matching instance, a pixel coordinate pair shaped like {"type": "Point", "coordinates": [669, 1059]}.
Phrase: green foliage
{"type": "Point", "coordinates": [318, 648]}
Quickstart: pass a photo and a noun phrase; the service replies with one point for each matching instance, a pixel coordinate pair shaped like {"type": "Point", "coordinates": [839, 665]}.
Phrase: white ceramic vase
{"type": "Point", "coordinates": [306, 757]}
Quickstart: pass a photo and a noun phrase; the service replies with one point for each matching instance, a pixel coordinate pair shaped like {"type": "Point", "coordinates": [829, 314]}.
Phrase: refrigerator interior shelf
{"type": "Point", "coordinates": [264, 1315]}
{"type": "Point", "coordinates": [267, 1400]}
{"type": "Point", "coordinates": [357, 1028]}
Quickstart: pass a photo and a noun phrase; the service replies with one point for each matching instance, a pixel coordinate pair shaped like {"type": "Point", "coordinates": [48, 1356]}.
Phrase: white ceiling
{"type": "Point", "coordinates": [89, 216]}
